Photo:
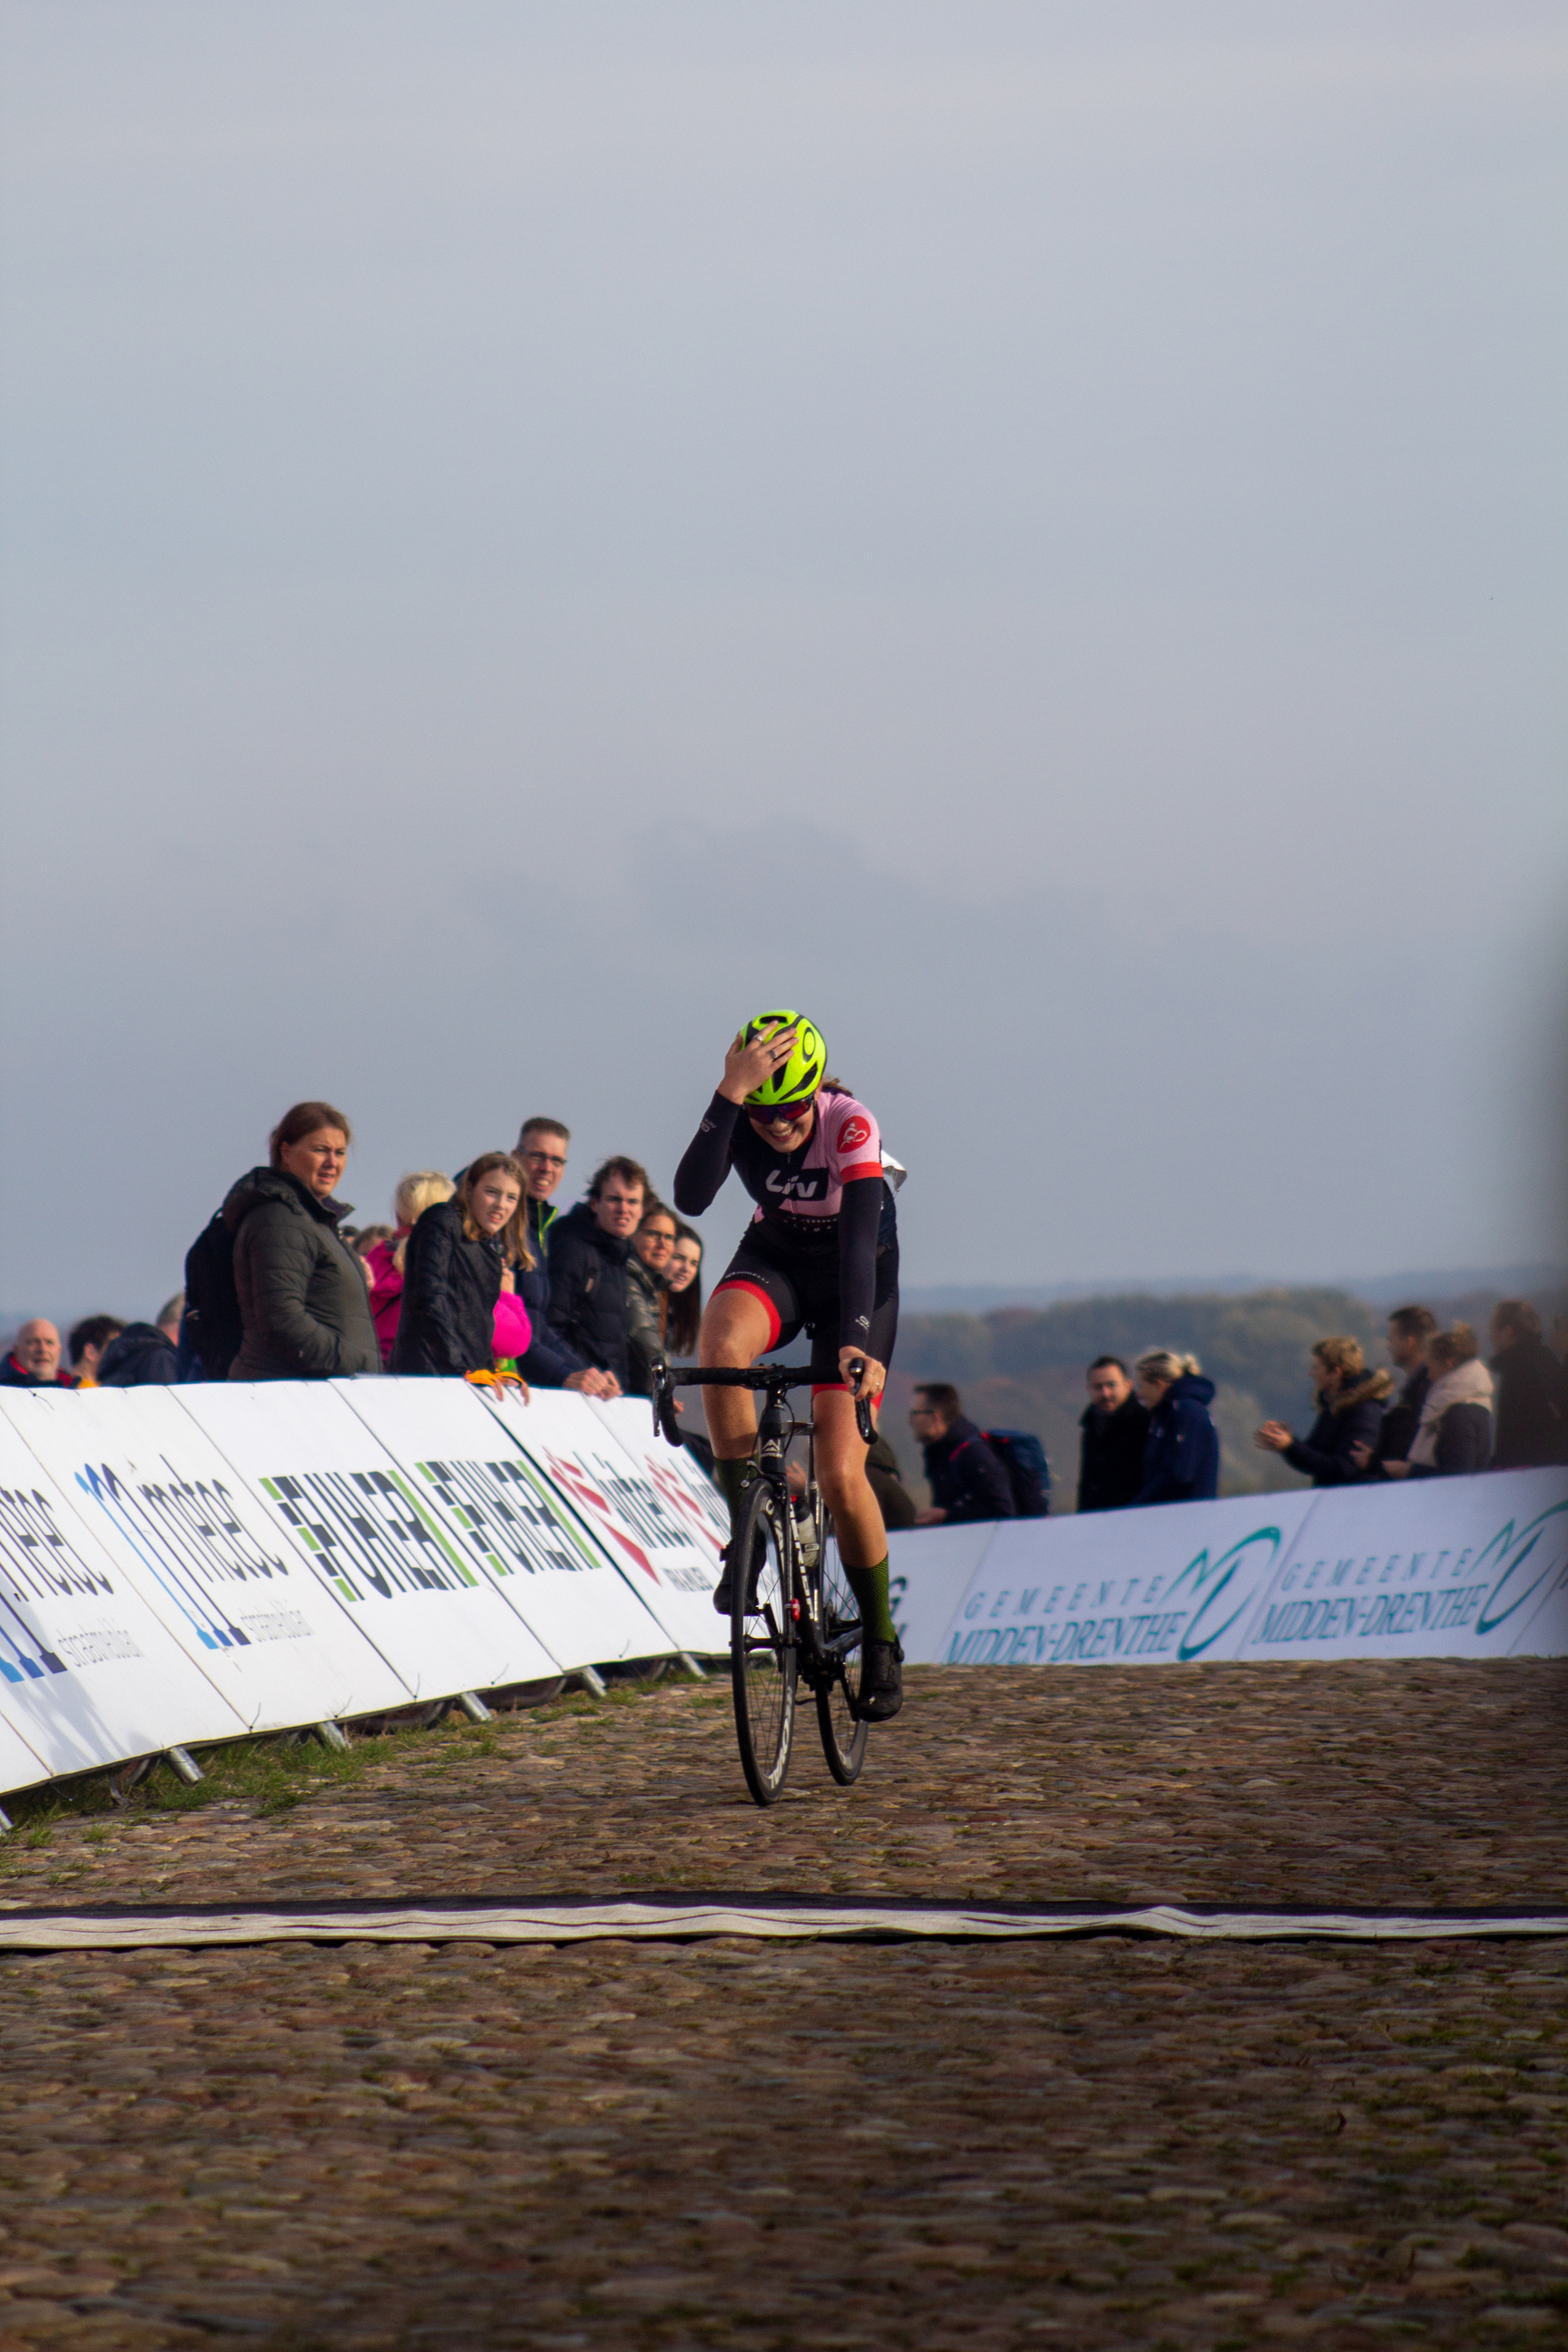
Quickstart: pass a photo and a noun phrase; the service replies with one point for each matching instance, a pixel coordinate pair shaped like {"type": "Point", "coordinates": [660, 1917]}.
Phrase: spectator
{"type": "Point", "coordinates": [304, 1304]}
{"type": "Point", "coordinates": [146, 1355]}
{"type": "Point", "coordinates": [589, 1247]}
{"type": "Point", "coordinates": [384, 1259]}
{"type": "Point", "coordinates": [1531, 1392]}
{"type": "Point", "coordinates": [33, 1361]}
{"type": "Point", "coordinates": [648, 1291]}
{"type": "Point", "coordinates": [1409, 1328]}
{"type": "Point", "coordinates": [1455, 1438]}
{"type": "Point", "coordinates": [894, 1499]}
{"type": "Point", "coordinates": [86, 1344]}
{"type": "Point", "coordinates": [542, 1147]}
{"type": "Point", "coordinates": [370, 1237]}
{"type": "Point", "coordinates": [967, 1480]}
{"type": "Point", "coordinates": [1181, 1453]}
{"type": "Point", "coordinates": [1349, 1416]}
{"type": "Point", "coordinates": [453, 1272]}
{"type": "Point", "coordinates": [683, 1300]}
{"type": "Point", "coordinates": [1115, 1428]}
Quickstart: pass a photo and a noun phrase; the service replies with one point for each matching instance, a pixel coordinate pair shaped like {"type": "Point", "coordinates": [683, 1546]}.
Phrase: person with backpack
{"type": "Point", "coordinates": [303, 1295]}
{"type": "Point", "coordinates": [967, 1477]}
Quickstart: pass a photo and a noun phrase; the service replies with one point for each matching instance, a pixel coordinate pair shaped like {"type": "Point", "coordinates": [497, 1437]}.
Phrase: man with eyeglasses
{"type": "Point", "coordinates": [542, 1147]}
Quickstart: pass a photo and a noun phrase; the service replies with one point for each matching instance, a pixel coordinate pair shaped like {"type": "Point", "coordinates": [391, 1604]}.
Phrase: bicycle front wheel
{"type": "Point", "coordinates": [843, 1739]}
{"type": "Point", "coordinates": [763, 1658]}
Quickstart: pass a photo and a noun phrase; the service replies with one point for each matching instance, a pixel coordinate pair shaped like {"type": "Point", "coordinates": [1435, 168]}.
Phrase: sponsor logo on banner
{"type": "Point", "coordinates": [632, 1513]}
{"type": "Point", "coordinates": [1526, 1563]}
{"type": "Point", "coordinates": [1400, 1596]}
{"type": "Point", "coordinates": [369, 1532]}
{"type": "Point", "coordinates": [511, 1520]}
{"type": "Point", "coordinates": [1089, 1619]}
{"type": "Point", "coordinates": [187, 1536]}
{"type": "Point", "coordinates": [37, 1568]}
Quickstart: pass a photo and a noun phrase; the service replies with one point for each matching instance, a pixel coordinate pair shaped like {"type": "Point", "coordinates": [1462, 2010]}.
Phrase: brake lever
{"type": "Point", "coordinates": [664, 1417]}
{"type": "Point", "coordinates": [863, 1421]}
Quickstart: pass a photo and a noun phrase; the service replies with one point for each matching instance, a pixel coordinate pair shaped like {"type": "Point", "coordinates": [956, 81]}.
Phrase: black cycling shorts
{"type": "Point", "coordinates": [798, 1285]}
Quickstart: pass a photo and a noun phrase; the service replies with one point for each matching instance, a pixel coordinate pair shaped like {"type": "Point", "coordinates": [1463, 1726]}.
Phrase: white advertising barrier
{"type": "Point", "coordinates": [640, 1510]}
{"type": "Point", "coordinates": [1120, 1587]}
{"type": "Point", "coordinates": [89, 1676]}
{"type": "Point", "coordinates": [370, 1536]}
{"type": "Point", "coordinates": [929, 1569]}
{"type": "Point", "coordinates": [1456, 1568]}
{"type": "Point", "coordinates": [508, 1519]}
{"type": "Point", "coordinates": [207, 1558]}
{"type": "Point", "coordinates": [1451, 1568]}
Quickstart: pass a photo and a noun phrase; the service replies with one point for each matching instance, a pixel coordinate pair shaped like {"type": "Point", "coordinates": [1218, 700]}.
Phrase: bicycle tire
{"type": "Point", "coordinates": [843, 1737]}
{"type": "Point", "coordinates": [763, 1658]}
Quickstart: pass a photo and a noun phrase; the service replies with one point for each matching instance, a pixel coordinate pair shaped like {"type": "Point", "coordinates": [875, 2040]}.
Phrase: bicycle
{"type": "Point", "coordinates": [793, 1617]}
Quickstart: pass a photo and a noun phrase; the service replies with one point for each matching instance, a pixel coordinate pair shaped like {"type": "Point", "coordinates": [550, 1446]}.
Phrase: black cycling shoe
{"type": "Point", "coordinates": [882, 1682]}
{"type": "Point", "coordinates": [724, 1590]}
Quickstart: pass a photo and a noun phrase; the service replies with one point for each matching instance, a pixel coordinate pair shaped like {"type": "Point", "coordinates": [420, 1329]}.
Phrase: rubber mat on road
{"type": "Point", "coordinates": [672, 1918]}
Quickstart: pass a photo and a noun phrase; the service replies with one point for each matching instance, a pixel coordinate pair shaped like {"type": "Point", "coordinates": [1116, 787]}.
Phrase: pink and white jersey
{"type": "Point", "coordinates": [843, 1148]}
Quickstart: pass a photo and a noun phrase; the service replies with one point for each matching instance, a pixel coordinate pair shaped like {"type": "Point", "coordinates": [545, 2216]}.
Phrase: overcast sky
{"type": "Point", "coordinates": [1033, 531]}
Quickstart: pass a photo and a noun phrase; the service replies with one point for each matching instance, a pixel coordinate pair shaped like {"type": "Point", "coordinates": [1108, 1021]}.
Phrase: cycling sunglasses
{"type": "Point", "coordinates": [779, 1114]}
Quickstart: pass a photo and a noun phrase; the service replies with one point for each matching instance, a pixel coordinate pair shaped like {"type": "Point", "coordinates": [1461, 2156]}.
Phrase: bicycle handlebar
{"type": "Point", "coordinates": [774, 1378]}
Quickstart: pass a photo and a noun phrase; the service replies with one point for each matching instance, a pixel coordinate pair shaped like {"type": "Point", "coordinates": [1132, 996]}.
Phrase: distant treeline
{"type": "Point", "coordinates": [1022, 1366]}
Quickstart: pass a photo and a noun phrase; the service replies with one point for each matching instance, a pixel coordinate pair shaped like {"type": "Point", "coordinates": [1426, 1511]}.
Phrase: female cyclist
{"type": "Point", "coordinates": [821, 1254]}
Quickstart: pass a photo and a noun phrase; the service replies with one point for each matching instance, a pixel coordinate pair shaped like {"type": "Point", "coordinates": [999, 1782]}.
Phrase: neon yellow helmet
{"type": "Point", "coordinates": [801, 1074]}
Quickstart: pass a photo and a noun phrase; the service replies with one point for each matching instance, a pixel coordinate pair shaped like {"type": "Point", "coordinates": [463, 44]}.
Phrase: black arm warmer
{"type": "Point", "coordinates": [858, 1220]}
{"type": "Point", "coordinates": [707, 1160]}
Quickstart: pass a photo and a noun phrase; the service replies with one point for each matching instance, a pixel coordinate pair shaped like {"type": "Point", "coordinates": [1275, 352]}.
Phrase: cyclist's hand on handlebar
{"type": "Point", "coordinates": [873, 1375]}
{"type": "Point", "coordinates": [747, 1068]}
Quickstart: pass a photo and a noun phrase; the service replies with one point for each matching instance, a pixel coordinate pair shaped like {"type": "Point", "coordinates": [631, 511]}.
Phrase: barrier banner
{"type": "Point", "coordinates": [1464, 1568]}
{"type": "Point", "coordinates": [507, 1518]}
{"type": "Point", "coordinates": [644, 1517]}
{"type": "Point", "coordinates": [89, 1676]}
{"type": "Point", "coordinates": [185, 1534]}
{"type": "Point", "coordinates": [1423, 1568]}
{"type": "Point", "coordinates": [929, 1569]}
{"type": "Point", "coordinates": [372, 1539]}
{"type": "Point", "coordinates": [1119, 1588]}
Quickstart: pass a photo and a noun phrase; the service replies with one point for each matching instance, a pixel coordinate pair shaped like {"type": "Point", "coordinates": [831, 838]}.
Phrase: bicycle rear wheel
{"type": "Point", "coordinates": [843, 1739]}
{"type": "Point", "coordinates": [763, 1659]}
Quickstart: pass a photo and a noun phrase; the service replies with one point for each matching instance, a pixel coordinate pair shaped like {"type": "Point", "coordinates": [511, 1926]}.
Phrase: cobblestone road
{"type": "Point", "coordinates": [1088, 2143]}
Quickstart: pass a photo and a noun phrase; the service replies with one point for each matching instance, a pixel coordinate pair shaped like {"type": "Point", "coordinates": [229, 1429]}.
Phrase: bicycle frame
{"type": "Point", "coordinates": [820, 1659]}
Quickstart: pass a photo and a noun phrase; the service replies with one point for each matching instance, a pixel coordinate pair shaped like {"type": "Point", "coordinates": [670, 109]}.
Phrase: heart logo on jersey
{"type": "Point", "coordinates": [853, 1134]}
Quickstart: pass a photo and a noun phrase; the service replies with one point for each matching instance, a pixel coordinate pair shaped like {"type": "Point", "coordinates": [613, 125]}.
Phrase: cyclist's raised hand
{"type": "Point", "coordinates": [747, 1068]}
{"type": "Point", "coordinates": [873, 1375]}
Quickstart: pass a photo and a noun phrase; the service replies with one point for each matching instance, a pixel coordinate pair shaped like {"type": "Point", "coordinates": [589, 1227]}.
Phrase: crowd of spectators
{"type": "Point", "coordinates": [477, 1274]}
{"type": "Point", "coordinates": [481, 1274]}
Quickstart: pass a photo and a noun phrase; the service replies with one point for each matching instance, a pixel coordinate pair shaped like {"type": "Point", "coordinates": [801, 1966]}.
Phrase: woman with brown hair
{"type": "Point", "coordinates": [1350, 1415]}
{"type": "Point", "coordinates": [457, 1262]}
{"type": "Point", "coordinates": [683, 1315]}
{"type": "Point", "coordinates": [304, 1306]}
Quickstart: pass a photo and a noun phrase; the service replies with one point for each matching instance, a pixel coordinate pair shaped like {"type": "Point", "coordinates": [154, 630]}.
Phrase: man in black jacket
{"type": "Point", "coordinates": [1409, 1328]}
{"type": "Point", "coordinates": [1114, 1426]}
{"type": "Point", "coordinates": [589, 1247]}
{"type": "Point", "coordinates": [144, 1354]}
{"type": "Point", "coordinates": [1531, 1400]}
{"type": "Point", "coordinates": [968, 1481]}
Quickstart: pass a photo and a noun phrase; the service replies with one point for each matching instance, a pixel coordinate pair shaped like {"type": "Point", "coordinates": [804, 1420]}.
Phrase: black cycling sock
{"type": "Point", "coordinates": [870, 1586]}
{"type": "Point", "coordinates": [732, 1478]}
